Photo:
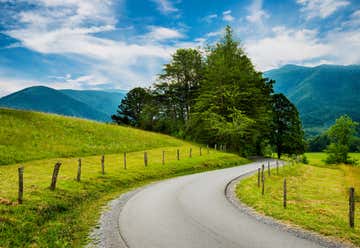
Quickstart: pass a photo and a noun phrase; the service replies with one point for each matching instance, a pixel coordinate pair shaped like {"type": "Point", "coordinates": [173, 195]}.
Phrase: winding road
{"type": "Point", "coordinates": [193, 211]}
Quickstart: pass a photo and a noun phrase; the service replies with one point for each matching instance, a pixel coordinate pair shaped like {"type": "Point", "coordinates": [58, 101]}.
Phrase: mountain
{"type": "Point", "coordinates": [321, 93]}
{"type": "Point", "coordinates": [87, 104]}
{"type": "Point", "coordinates": [104, 101]}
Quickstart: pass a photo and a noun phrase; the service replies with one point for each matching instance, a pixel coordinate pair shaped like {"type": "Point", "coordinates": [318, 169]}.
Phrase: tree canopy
{"type": "Point", "coordinates": [340, 135]}
{"type": "Point", "coordinates": [212, 96]}
{"type": "Point", "coordinates": [287, 134]}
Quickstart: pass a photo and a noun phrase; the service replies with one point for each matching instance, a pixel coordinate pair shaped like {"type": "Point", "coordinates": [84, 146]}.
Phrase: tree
{"type": "Point", "coordinates": [131, 107]}
{"type": "Point", "coordinates": [287, 134]}
{"type": "Point", "coordinates": [340, 135]}
{"type": "Point", "coordinates": [178, 86]}
{"type": "Point", "coordinates": [231, 91]}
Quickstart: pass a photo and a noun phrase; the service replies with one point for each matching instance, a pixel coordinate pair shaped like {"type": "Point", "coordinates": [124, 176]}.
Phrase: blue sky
{"type": "Point", "coordinates": [120, 44]}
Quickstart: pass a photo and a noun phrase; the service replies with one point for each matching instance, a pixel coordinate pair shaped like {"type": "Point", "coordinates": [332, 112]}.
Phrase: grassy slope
{"type": "Point", "coordinates": [63, 218]}
{"type": "Point", "coordinates": [28, 135]}
{"type": "Point", "coordinates": [317, 197]}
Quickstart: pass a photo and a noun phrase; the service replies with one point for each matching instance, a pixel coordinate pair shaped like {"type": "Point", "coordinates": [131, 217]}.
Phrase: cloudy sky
{"type": "Point", "coordinates": [120, 44]}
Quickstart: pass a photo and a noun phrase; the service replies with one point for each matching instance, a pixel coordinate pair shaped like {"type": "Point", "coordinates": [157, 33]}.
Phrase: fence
{"type": "Point", "coordinates": [261, 181]}
{"type": "Point", "coordinates": [102, 164]}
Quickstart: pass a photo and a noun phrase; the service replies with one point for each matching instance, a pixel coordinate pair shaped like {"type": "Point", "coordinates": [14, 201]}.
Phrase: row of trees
{"type": "Point", "coordinates": [216, 97]}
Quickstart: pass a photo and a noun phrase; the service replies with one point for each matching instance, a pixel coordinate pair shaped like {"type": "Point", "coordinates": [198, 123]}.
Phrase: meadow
{"type": "Point", "coordinates": [64, 217]}
{"type": "Point", "coordinates": [26, 135]}
{"type": "Point", "coordinates": [317, 196]}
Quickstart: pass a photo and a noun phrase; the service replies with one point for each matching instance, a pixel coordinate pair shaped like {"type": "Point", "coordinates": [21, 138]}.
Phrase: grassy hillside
{"type": "Point", "coordinates": [321, 93]}
{"type": "Point", "coordinates": [317, 196]}
{"type": "Point", "coordinates": [63, 218]}
{"type": "Point", "coordinates": [27, 136]}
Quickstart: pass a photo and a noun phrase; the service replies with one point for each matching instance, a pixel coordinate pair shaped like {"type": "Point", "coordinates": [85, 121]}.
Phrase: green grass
{"type": "Point", "coordinates": [317, 197]}
{"type": "Point", "coordinates": [63, 218]}
{"type": "Point", "coordinates": [26, 136]}
{"type": "Point", "coordinates": [318, 158]}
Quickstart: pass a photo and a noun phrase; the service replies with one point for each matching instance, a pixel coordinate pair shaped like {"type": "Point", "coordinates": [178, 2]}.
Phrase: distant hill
{"type": "Point", "coordinates": [106, 102]}
{"type": "Point", "coordinates": [94, 105]}
{"type": "Point", "coordinates": [321, 93]}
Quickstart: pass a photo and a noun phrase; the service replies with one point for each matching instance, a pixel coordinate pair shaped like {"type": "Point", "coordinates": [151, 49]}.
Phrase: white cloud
{"type": "Point", "coordinates": [304, 47]}
{"type": "Point", "coordinates": [214, 33]}
{"type": "Point", "coordinates": [163, 33]}
{"type": "Point", "coordinates": [166, 6]}
{"type": "Point", "coordinates": [321, 8]}
{"type": "Point", "coordinates": [256, 12]}
{"type": "Point", "coordinates": [70, 28]}
{"type": "Point", "coordinates": [226, 16]}
{"type": "Point", "coordinates": [285, 46]}
{"type": "Point", "coordinates": [353, 21]}
{"type": "Point", "coordinates": [210, 18]}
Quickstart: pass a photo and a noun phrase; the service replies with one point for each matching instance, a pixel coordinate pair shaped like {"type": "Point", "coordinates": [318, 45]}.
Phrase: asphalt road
{"type": "Point", "coordinates": [192, 211]}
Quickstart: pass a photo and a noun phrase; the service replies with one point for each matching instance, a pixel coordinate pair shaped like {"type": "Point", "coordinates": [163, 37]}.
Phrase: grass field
{"type": "Point", "coordinates": [26, 135]}
{"type": "Point", "coordinates": [63, 218]}
{"type": "Point", "coordinates": [317, 196]}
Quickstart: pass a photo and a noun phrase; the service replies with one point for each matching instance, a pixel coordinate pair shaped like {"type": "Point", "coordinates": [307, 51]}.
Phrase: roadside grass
{"type": "Point", "coordinates": [318, 158]}
{"type": "Point", "coordinates": [63, 218]}
{"type": "Point", "coordinates": [26, 135]}
{"type": "Point", "coordinates": [317, 197]}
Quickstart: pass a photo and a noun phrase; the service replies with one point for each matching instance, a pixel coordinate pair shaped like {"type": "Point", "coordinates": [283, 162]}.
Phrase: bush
{"type": "Point", "coordinates": [304, 159]}
{"type": "Point", "coordinates": [338, 154]}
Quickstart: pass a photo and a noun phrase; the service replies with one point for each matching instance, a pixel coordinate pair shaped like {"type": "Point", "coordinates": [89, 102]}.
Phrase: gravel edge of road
{"type": "Point", "coordinates": [103, 234]}
{"type": "Point", "coordinates": [324, 241]}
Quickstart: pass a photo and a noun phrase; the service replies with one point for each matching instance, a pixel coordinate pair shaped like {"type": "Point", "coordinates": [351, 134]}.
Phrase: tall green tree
{"type": "Point", "coordinates": [234, 92]}
{"type": "Point", "coordinates": [340, 135]}
{"type": "Point", "coordinates": [287, 134]}
{"type": "Point", "coordinates": [132, 106]}
{"type": "Point", "coordinates": [179, 83]}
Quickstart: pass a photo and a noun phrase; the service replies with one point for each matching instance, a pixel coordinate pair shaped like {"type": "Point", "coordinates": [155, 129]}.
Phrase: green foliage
{"type": "Point", "coordinates": [28, 135]}
{"type": "Point", "coordinates": [340, 135]}
{"type": "Point", "coordinates": [318, 143]}
{"type": "Point", "coordinates": [304, 159]}
{"type": "Point", "coordinates": [132, 106]}
{"type": "Point", "coordinates": [216, 99]}
{"type": "Point", "coordinates": [287, 134]}
{"type": "Point", "coordinates": [234, 93]}
{"type": "Point", "coordinates": [321, 93]}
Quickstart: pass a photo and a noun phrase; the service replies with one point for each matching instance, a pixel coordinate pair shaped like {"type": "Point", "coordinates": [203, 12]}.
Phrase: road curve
{"type": "Point", "coordinates": [192, 211]}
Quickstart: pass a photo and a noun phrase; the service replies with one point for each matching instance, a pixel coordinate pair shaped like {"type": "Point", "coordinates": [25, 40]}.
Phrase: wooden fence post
{"type": "Point", "coordinates": [277, 167]}
{"type": "Point", "coordinates": [125, 161]}
{"type": "Point", "coordinates": [285, 193]}
{"type": "Point", "coordinates": [54, 176]}
{"type": "Point", "coordinates": [145, 159]}
{"type": "Point", "coordinates": [351, 207]}
{"type": "Point", "coordinates": [78, 177]}
{"type": "Point", "coordinates": [190, 153]}
{"type": "Point", "coordinates": [200, 151]}
{"type": "Point", "coordinates": [215, 147]}
{"type": "Point", "coordinates": [163, 157]}
{"type": "Point", "coordinates": [269, 168]}
{"type": "Point", "coordinates": [263, 179]}
{"type": "Point", "coordinates": [178, 154]}
{"type": "Point", "coordinates": [21, 185]}
{"type": "Point", "coordinates": [258, 182]}
{"type": "Point", "coordinates": [103, 164]}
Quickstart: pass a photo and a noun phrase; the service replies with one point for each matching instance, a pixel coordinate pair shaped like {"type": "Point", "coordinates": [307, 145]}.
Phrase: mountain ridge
{"type": "Point", "coordinates": [75, 103]}
{"type": "Point", "coordinates": [321, 93]}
